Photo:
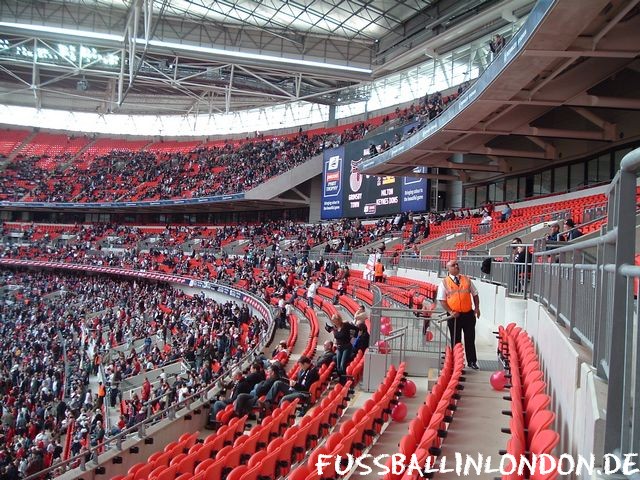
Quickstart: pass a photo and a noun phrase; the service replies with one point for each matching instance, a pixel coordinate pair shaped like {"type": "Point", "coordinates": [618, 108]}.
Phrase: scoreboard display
{"type": "Point", "coordinates": [348, 193]}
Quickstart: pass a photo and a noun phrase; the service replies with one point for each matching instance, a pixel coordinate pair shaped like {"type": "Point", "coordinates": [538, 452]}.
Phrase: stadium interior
{"type": "Point", "coordinates": [229, 228]}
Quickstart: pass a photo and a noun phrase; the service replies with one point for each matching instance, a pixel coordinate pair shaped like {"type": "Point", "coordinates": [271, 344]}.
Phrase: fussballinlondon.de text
{"type": "Point", "coordinates": [464, 465]}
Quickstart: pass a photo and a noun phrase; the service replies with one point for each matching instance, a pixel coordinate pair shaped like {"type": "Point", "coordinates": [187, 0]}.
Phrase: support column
{"type": "Point", "coordinates": [332, 122]}
{"type": "Point", "coordinates": [315, 199]}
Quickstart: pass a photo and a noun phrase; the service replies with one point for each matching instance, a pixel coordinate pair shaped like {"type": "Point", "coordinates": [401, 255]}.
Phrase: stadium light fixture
{"type": "Point", "coordinates": [184, 47]}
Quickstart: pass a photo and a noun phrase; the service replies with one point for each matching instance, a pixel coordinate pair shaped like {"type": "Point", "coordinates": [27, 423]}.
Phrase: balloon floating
{"type": "Point", "coordinates": [383, 346]}
{"type": "Point", "coordinates": [429, 336]}
{"type": "Point", "coordinates": [385, 320]}
{"type": "Point", "coordinates": [399, 412]}
{"type": "Point", "coordinates": [409, 389]}
{"type": "Point", "coordinates": [498, 380]}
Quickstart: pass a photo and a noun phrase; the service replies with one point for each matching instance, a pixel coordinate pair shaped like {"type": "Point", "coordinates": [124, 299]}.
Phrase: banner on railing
{"type": "Point", "coordinates": [140, 204]}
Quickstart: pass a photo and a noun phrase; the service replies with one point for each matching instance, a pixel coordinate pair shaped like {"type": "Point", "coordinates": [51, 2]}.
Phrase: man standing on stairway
{"type": "Point", "coordinates": [455, 294]}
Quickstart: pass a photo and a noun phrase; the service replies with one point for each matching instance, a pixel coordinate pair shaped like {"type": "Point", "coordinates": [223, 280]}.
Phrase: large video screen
{"type": "Point", "coordinates": [347, 193]}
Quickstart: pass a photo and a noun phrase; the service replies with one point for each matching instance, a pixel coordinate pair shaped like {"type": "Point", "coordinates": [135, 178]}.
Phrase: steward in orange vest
{"type": "Point", "coordinates": [378, 271]}
{"type": "Point", "coordinates": [455, 295]}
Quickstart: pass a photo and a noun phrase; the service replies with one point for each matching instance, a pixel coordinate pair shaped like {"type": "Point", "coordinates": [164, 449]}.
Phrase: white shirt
{"type": "Point", "coordinates": [442, 293]}
{"type": "Point", "coordinates": [311, 291]}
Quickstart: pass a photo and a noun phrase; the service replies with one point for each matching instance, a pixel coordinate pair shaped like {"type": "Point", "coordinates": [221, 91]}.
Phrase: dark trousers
{"type": "Point", "coordinates": [466, 323]}
{"type": "Point", "coordinates": [343, 357]}
{"type": "Point", "coordinates": [289, 393]}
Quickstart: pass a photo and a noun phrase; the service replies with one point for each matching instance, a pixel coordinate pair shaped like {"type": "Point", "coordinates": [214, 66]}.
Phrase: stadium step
{"type": "Point", "coordinates": [476, 429]}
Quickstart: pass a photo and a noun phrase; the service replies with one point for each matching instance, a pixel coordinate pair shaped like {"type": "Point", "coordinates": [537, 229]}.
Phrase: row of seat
{"type": "Point", "coordinates": [357, 434]}
{"type": "Point", "coordinates": [247, 445]}
{"type": "Point", "coordinates": [221, 451]}
{"type": "Point", "coordinates": [426, 432]}
{"type": "Point", "coordinates": [293, 332]}
{"type": "Point", "coordinates": [290, 449]}
{"type": "Point", "coordinates": [160, 460]}
{"type": "Point", "coordinates": [312, 343]}
{"type": "Point", "coordinates": [531, 420]}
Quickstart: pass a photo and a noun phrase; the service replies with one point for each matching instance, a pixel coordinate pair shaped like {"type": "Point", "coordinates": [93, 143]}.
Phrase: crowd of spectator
{"type": "Point", "coordinates": [92, 315]}
{"type": "Point", "coordinates": [204, 171]}
{"type": "Point", "coordinates": [144, 175]}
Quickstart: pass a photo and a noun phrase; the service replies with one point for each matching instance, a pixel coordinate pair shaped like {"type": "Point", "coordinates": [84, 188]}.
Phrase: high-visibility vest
{"type": "Point", "coordinates": [458, 296]}
{"type": "Point", "coordinates": [102, 392]}
{"type": "Point", "coordinates": [379, 268]}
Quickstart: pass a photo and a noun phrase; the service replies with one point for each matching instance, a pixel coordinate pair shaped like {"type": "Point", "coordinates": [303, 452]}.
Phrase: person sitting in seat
{"type": "Point", "coordinates": [554, 236]}
{"type": "Point", "coordinates": [506, 213]}
{"type": "Point", "coordinates": [362, 340]}
{"type": "Point", "coordinates": [570, 231]}
{"type": "Point", "coordinates": [242, 385]}
{"type": "Point", "coordinates": [328, 355]}
{"type": "Point", "coordinates": [281, 353]}
{"type": "Point", "coordinates": [298, 388]}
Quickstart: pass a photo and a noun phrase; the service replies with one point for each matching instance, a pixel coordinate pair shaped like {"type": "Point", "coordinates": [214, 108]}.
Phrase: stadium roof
{"type": "Point", "coordinates": [215, 56]}
{"type": "Point", "coordinates": [558, 91]}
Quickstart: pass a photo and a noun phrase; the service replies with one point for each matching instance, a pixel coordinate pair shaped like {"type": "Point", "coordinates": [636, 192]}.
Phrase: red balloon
{"type": "Point", "coordinates": [429, 336]}
{"type": "Point", "coordinates": [383, 347]}
{"type": "Point", "coordinates": [498, 380]}
{"type": "Point", "coordinates": [409, 389]}
{"type": "Point", "coordinates": [386, 328]}
{"type": "Point", "coordinates": [399, 412]}
{"type": "Point", "coordinates": [384, 320]}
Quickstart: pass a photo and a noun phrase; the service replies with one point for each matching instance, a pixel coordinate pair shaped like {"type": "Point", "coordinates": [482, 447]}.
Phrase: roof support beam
{"type": "Point", "coordinates": [614, 21]}
{"type": "Point", "coordinates": [557, 71]}
{"type": "Point", "coordinates": [474, 167]}
{"type": "Point", "coordinates": [549, 149]}
{"type": "Point", "coordinates": [586, 100]}
{"type": "Point", "coordinates": [583, 100]}
{"type": "Point", "coordinates": [500, 162]}
{"type": "Point", "coordinates": [300, 194]}
{"type": "Point", "coordinates": [438, 176]}
{"type": "Point", "coordinates": [541, 132]}
{"type": "Point", "coordinates": [608, 128]}
{"type": "Point", "coordinates": [501, 152]}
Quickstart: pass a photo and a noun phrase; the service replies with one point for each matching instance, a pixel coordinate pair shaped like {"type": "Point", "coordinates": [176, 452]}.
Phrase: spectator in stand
{"type": "Point", "coordinates": [378, 271]}
{"type": "Point", "coordinates": [361, 315]}
{"type": "Point", "coordinates": [489, 207]}
{"type": "Point", "coordinates": [361, 342]}
{"type": "Point", "coordinates": [496, 44]}
{"type": "Point", "coordinates": [241, 385]}
{"type": "Point", "coordinates": [570, 231]}
{"type": "Point", "coordinates": [298, 388]}
{"type": "Point", "coordinates": [522, 264]}
{"type": "Point", "coordinates": [343, 333]}
{"type": "Point", "coordinates": [328, 355]}
{"type": "Point", "coordinates": [554, 235]}
{"type": "Point", "coordinates": [281, 353]}
{"type": "Point", "coordinates": [486, 218]}
{"type": "Point", "coordinates": [506, 213]}
{"type": "Point", "coordinates": [311, 292]}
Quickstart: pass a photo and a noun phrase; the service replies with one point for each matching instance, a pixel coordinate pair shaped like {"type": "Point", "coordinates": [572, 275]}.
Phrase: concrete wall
{"type": "Point", "coordinates": [454, 194]}
{"type": "Point", "coordinates": [579, 397]}
{"type": "Point", "coordinates": [315, 199]}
